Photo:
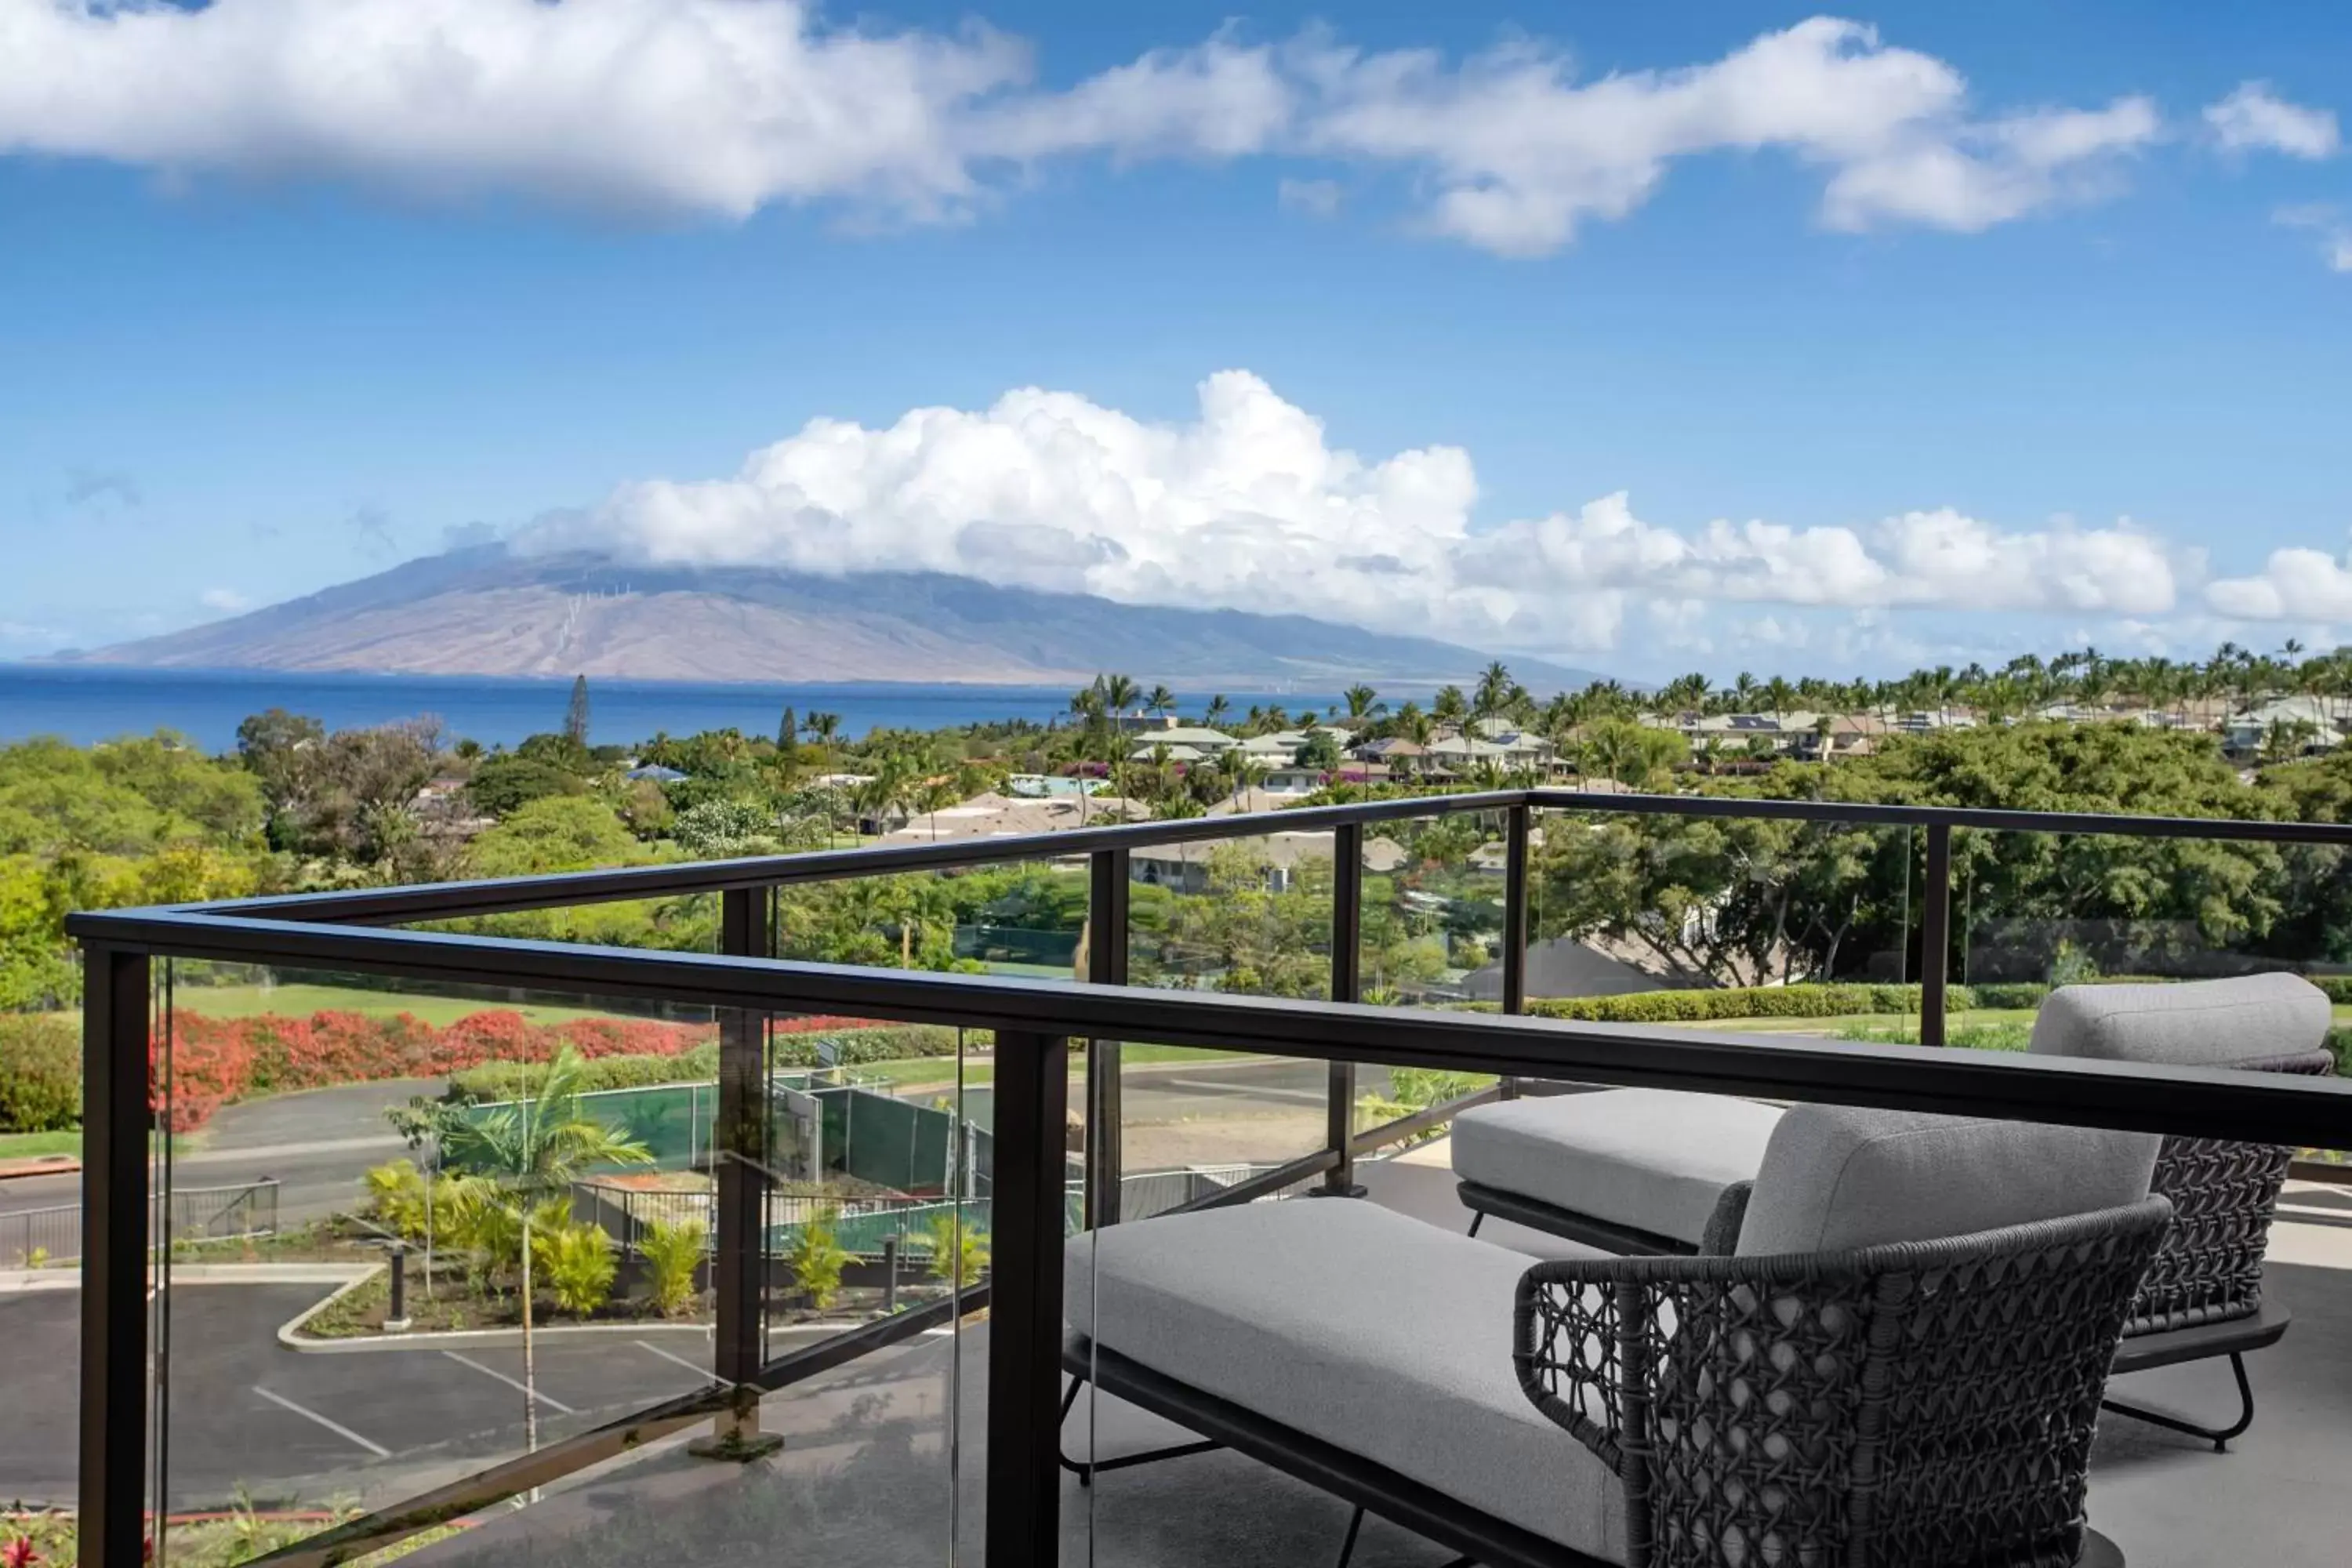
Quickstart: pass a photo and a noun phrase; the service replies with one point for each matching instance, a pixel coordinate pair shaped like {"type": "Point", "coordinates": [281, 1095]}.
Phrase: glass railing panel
{"type": "Point", "coordinates": [1429, 935]}
{"type": "Point", "coordinates": [1015, 917]}
{"type": "Point", "coordinates": [1251, 916]}
{"type": "Point", "coordinates": [1745, 924]}
{"type": "Point", "coordinates": [402, 1252]}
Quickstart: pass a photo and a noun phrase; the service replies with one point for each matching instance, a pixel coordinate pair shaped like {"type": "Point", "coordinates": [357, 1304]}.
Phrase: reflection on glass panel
{"type": "Point", "coordinates": [1252, 916]}
{"type": "Point", "coordinates": [2032, 911]}
{"type": "Point", "coordinates": [1431, 932]}
{"type": "Point", "coordinates": [1741, 923]}
{"type": "Point", "coordinates": [1021, 917]}
{"type": "Point", "coordinates": [347, 1180]}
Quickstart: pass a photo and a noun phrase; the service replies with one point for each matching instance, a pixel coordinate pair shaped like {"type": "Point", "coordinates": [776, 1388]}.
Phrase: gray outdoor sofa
{"type": "Point", "coordinates": [1899, 1361]}
{"type": "Point", "coordinates": [1645, 1171]}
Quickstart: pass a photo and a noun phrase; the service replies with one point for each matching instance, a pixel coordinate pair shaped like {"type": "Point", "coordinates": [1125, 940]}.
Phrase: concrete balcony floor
{"type": "Point", "coordinates": [864, 1478]}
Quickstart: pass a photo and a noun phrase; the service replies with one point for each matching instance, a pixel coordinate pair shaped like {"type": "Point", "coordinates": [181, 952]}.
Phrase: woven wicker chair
{"type": "Point", "coordinates": [2202, 1298]}
{"type": "Point", "coordinates": [1918, 1405]}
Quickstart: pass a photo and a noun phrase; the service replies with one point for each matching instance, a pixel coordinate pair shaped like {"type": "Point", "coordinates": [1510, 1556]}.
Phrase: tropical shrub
{"type": "Point", "coordinates": [40, 1074]}
{"type": "Point", "coordinates": [816, 1260]}
{"type": "Point", "coordinates": [958, 1258]}
{"type": "Point", "coordinates": [396, 1191]}
{"type": "Point", "coordinates": [673, 1250]}
{"type": "Point", "coordinates": [576, 1262]}
{"type": "Point", "coordinates": [1413, 1089]}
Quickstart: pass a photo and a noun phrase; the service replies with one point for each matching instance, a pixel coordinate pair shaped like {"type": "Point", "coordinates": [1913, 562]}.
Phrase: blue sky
{"type": "Point", "coordinates": [1938, 306]}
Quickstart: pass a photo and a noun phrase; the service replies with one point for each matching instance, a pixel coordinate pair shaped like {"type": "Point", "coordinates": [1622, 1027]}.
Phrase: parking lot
{"type": "Point", "coordinates": [246, 1412]}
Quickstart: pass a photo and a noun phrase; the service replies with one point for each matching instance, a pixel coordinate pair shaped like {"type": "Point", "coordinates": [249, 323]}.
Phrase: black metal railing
{"type": "Point", "coordinates": [1033, 1023]}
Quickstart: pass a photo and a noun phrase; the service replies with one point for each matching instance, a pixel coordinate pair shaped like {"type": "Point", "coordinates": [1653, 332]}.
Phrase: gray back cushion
{"type": "Point", "coordinates": [1836, 1177]}
{"type": "Point", "coordinates": [2195, 1022]}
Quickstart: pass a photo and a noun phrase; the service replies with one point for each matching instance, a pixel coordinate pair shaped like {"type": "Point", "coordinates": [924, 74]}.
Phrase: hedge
{"type": "Point", "coordinates": [513, 1080]}
{"type": "Point", "coordinates": [1741, 1002]}
{"type": "Point", "coordinates": [214, 1061]}
{"type": "Point", "coordinates": [40, 1074]}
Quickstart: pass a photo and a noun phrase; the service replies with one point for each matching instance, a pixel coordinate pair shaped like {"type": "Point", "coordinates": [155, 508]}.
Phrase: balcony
{"type": "Point", "coordinates": [886, 1391]}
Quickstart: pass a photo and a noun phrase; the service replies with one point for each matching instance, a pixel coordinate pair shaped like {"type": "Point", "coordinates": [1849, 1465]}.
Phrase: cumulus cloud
{"type": "Point", "coordinates": [1523, 153]}
{"type": "Point", "coordinates": [2254, 119]}
{"type": "Point", "coordinates": [729, 106]}
{"type": "Point", "coordinates": [1249, 505]}
{"type": "Point", "coordinates": [225, 601]}
{"type": "Point", "coordinates": [2294, 584]}
{"type": "Point", "coordinates": [2333, 226]}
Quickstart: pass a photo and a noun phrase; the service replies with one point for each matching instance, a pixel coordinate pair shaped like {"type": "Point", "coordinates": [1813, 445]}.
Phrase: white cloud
{"type": "Point", "coordinates": [227, 601]}
{"type": "Point", "coordinates": [1522, 154]}
{"type": "Point", "coordinates": [2298, 583]}
{"type": "Point", "coordinates": [729, 106]}
{"type": "Point", "coordinates": [722, 106]}
{"type": "Point", "coordinates": [2333, 226]}
{"type": "Point", "coordinates": [1249, 505]}
{"type": "Point", "coordinates": [2254, 119]}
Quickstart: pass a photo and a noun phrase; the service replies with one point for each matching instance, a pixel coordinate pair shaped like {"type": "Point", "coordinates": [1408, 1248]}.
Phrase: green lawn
{"type": "Point", "coordinates": [34, 1145]}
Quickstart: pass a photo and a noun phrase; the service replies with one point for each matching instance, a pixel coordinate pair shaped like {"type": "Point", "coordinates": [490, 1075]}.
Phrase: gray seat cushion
{"type": "Point", "coordinates": [1655, 1159]}
{"type": "Point", "coordinates": [1354, 1324]}
{"type": "Point", "coordinates": [1836, 1177]}
{"type": "Point", "coordinates": [2197, 1022]}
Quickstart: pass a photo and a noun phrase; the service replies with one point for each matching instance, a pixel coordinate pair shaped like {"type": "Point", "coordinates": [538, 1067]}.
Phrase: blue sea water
{"type": "Point", "coordinates": [85, 703]}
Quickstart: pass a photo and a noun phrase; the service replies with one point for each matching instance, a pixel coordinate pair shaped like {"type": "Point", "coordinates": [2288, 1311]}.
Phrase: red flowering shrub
{"type": "Point", "coordinates": [215, 1060]}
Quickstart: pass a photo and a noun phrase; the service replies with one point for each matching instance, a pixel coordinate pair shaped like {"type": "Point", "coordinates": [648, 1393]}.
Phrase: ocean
{"type": "Point", "coordinates": [86, 703]}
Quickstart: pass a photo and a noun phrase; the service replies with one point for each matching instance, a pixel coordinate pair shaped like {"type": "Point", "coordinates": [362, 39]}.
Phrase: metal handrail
{"type": "Point", "coordinates": [1032, 1018]}
{"type": "Point", "coordinates": [2209, 1102]}
{"type": "Point", "coordinates": [456, 900]}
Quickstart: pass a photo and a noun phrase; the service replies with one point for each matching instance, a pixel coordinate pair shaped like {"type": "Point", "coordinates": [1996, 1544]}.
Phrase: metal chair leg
{"type": "Point", "coordinates": [1478, 1218]}
{"type": "Point", "coordinates": [2218, 1435]}
{"type": "Point", "coordinates": [1087, 1469]}
{"type": "Point", "coordinates": [1348, 1546]}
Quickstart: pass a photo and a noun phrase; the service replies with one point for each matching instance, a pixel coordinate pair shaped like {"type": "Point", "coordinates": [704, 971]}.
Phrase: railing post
{"type": "Point", "coordinates": [1514, 922]}
{"type": "Point", "coordinates": [1025, 1307]}
{"type": "Point", "coordinates": [1347, 985]}
{"type": "Point", "coordinates": [1935, 933]}
{"type": "Point", "coordinates": [738, 1157]}
{"type": "Point", "coordinates": [114, 1222]}
{"type": "Point", "coordinates": [1107, 911]}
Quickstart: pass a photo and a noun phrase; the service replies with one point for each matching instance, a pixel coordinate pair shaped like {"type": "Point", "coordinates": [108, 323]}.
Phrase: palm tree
{"type": "Point", "coordinates": [1217, 712]}
{"type": "Point", "coordinates": [821, 728]}
{"type": "Point", "coordinates": [533, 1151]}
{"type": "Point", "coordinates": [1492, 692]}
{"type": "Point", "coordinates": [1161, 700]}
{"type": "Point", "coordinates": [1363, 703]}
{"type": "Point", "coordinates": [1118, 694]}
{"type": "Point", "coordinates": [1449, 706]}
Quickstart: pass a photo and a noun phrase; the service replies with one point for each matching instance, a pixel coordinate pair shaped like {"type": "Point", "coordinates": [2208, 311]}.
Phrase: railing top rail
{"type": "Point", "coordinates": [451, 900]}
{"type": "Point", "coordinates": [506, 895]}
{"type": "Point", "coordinates": [2247, 829]}
{"type": "Point", "coordinates": [2198, 1102]}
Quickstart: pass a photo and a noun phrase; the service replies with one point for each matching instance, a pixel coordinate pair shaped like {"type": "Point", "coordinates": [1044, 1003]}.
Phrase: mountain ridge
{"type": "Point", "coordinates": [486, 611]}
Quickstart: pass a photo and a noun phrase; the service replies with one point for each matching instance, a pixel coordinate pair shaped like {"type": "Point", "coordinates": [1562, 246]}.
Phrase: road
{"type": "Point", "coordinates": [317, 1144]}
{"type": "Point", "coordinates": [247, 1412]}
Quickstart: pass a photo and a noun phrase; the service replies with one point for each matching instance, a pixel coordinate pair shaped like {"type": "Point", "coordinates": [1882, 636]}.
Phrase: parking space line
{"type": "Point", "coordinates": [548, 1400]}
{"type": "Point", "coordinates": [648, 1346]}
{"type": "Point", "coordinates": [337, 1428]}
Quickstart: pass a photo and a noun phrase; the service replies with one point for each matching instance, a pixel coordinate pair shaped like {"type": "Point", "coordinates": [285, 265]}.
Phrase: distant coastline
{"type": "Point", "coordinates": [84, 703]}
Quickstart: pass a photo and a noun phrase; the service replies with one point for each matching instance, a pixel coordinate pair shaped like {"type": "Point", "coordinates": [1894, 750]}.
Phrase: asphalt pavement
{"type": "Point", "coordinates": [246, 1412]}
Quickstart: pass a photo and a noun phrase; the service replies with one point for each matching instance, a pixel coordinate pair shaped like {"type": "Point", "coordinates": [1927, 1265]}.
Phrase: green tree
{"type": "Point", "coordinates": [560, 832]}
{"type": "Point", "coordinates": [575, 715]}
{"type": "Point", "coordinates": [532, 1151]}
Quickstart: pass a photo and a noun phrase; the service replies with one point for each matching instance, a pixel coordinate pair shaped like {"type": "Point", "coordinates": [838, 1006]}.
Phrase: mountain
{"type": "Point", "coordinates": [484, 611]}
